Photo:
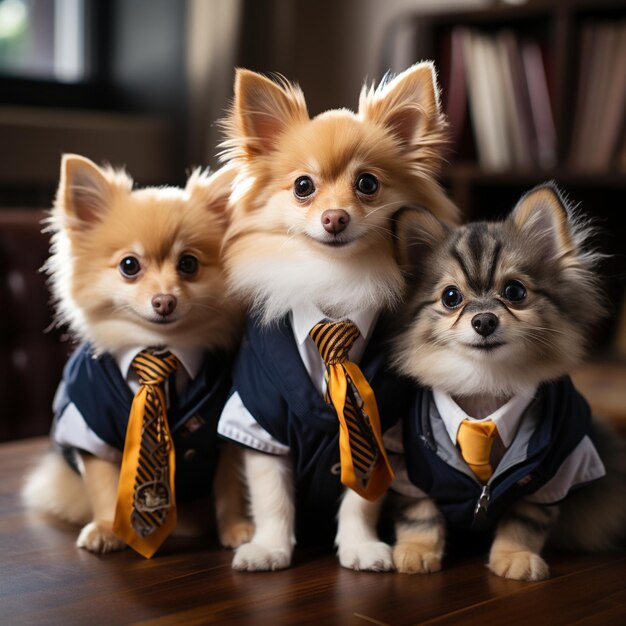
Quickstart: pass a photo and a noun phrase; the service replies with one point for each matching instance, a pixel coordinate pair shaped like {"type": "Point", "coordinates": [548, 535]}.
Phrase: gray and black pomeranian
{"type": "Point", "coordinates": [497, 315]}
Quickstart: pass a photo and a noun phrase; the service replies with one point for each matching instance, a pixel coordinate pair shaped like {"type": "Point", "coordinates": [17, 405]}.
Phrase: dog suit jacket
{"type": "Point", "coordinates": [278, 392]}
{"type": "Point", "coordinates": [103, 398]}
{"type": "Point", "coordinates": [560, 419]}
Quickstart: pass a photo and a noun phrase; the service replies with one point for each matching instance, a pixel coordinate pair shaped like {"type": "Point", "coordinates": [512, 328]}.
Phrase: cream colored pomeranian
{"type": "Point", "coordinates": [132, 269]}
{"type": "Point", "coordinates": [312, 240]}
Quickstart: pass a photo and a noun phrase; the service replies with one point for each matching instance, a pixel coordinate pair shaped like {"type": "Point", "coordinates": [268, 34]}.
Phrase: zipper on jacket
{"type": "Point", "coordinates": [482, 504]}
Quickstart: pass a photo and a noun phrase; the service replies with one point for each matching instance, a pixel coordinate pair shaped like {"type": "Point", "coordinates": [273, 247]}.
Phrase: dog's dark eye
{"type": "Point", "coordinates": [514, 291]}
{"type": "Point", "coordinates": [187, 264]}
{"type": "Point", "coordinates": [303, 187]}
{"type": "Point", "coordinates": [130, 266]}
{"type": "Point", "coordinates": [451, 297]}
{"type": "Point", "coordinates": [367, 184]}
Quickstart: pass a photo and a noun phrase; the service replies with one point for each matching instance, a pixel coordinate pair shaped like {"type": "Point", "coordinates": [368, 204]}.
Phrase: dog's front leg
{"type": "Point", "coordinates": [101, 480]}
{"type": "Point", "coordinates": [358, 545]}
{"type": "Point", "coordinates": [271, 490]}
{"type": "Point", "coordinates": [233, 527]}
{"type": "Point", "coordinates": [420, 536]}
{"type": "Point", "coordinates": [520, 536]}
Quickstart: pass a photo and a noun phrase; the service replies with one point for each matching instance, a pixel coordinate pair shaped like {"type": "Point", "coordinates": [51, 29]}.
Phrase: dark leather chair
{"type": "Point", "coordinates": [31, 355]}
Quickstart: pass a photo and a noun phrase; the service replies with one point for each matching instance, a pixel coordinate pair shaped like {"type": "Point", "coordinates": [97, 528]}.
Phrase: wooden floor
{"type": "Point", "coordinates": [45, 579]}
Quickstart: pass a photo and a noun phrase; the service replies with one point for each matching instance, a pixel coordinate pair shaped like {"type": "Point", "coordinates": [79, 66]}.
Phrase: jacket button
{"type": "Point", "coordinates": [190, 454]}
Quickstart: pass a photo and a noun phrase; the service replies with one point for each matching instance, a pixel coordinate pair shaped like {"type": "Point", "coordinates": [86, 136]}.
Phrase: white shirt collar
{"type": "Point", "coordinates": [304, 317]}
{"type": "Point", "coordinates": [190, 359]}
{"type": "Point", "coordinates": [506, 418]}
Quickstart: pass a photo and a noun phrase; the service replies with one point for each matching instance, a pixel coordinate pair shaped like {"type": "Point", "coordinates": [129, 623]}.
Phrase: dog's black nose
{"type": "Point", "coordinates": [164, 303]}
{"type": "Point", "coordinates": [484, 323]}
{"type": "Point", "coordinates": [335, 220]}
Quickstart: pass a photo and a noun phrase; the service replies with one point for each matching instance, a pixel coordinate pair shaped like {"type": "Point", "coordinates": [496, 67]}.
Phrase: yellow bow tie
{"type": "Point", "coordinates": [146, 506]}
{"type": "Point", "coordinates": [364, 464]}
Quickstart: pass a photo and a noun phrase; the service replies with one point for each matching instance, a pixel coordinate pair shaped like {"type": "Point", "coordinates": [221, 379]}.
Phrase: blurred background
{"type": "Point", "coordinates": [533, 90]}
{"type": "Point", "coordinates": [142, 82]}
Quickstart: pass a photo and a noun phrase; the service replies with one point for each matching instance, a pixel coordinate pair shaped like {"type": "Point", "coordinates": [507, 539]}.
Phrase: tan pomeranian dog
{"type": "Point", "coordinates": [312, 242]}
{"type": "Point", "coordinates": [499, 448]}
{"type": "Point", "coordinates": [130, 270]}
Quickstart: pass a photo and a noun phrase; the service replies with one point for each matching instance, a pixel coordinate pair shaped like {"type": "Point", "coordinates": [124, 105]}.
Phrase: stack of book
{"type": "Point", "coordinates": [502, 80]}
{"type": "Point", "coordinates": [598, 140]}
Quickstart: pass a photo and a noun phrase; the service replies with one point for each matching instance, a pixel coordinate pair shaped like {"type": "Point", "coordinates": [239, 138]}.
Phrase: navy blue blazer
{"type": "Point", "coordinates": [102, 396]}
{"type": "Point", "coordinates": [276, 389]}
{"type": "Point", "coordinates": [565, 419]}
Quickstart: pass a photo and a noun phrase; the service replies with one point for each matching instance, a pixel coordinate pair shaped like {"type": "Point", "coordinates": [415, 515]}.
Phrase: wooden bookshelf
{"type": "Point", "coordinates": [487, 189]}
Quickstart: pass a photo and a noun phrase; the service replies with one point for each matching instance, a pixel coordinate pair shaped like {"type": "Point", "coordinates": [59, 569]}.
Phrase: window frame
{"type": "Point", "coordinates": [89, 93]}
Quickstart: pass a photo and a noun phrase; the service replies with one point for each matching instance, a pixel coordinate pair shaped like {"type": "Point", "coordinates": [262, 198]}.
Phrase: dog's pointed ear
{"type": "Point", "coordinates": [212, 190]}
{"type": "Point", "coordinates": [85, 190]}
{"type": "Point", "coordinates": [418, 234]}
{"type": "Point", "coordinates": [542, 215]}
{"type": "Point", "coordinates": [408, 104]}
{"type": "Point", "coordinates": [263, 109]}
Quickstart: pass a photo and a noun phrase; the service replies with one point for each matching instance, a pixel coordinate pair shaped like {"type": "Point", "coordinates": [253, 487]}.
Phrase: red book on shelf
{"type": "Point", "coordinates": [456, 96]}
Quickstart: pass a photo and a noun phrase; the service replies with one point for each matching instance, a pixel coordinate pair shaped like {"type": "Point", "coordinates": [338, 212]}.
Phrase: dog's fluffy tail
{"type": "Point", "coordinates": [594, 518]}
{"type": "Point", "coordinates": [53, 487]}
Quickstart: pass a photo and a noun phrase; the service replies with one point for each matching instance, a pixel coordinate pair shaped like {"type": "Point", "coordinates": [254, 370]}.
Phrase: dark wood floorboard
{"type": "Point", "coordinates": [45, 579]}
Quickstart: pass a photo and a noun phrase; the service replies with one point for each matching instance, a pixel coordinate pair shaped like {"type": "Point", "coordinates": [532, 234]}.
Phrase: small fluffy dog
{"type": "Point", "coordinates": [311, 240]}
{"type": "Point", "coordinates": [131, 269]}
{"type": "Point", "coordinates": [500, 312]}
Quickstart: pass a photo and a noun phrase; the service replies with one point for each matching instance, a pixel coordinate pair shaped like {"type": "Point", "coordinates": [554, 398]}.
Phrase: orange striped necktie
{"type": "Point", "coordinates": [364, 464]}
{"type": "Point", "coordinates": [146, 506]}
{"type": "Point", "coordinates": [475, 440]}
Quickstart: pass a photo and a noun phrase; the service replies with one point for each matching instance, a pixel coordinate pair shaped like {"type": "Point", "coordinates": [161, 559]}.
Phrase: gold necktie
{"type": "Point", "coordinates": [146, 507]}
{"type": "Point", "coordinates": [475, 440]}
{"type": "Point", "coordinates": [364, 464]}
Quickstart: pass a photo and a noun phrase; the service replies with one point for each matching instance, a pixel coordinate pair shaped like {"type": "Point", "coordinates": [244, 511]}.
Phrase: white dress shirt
{"type": "Point", "coordinates": [581, 466]}
{"type": "Point", "coordinates": [72, 430]}
{"type": "Point", "coordinates": [237, 423]}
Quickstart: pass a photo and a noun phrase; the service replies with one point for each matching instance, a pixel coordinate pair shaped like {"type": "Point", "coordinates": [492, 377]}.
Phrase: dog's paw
{"type": "Point", "coordinates": [99, 537]}
{"type": "Point", "coordinates": [520, 565]}
{"type": "Point", "coordinates": [236, 532]}
{"type": "Point", "coordinates": [254, 557]}
{"type": "Point", "coordinates": [411, 558]}
{"type": "Point", "coordinates": [373, 556]}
